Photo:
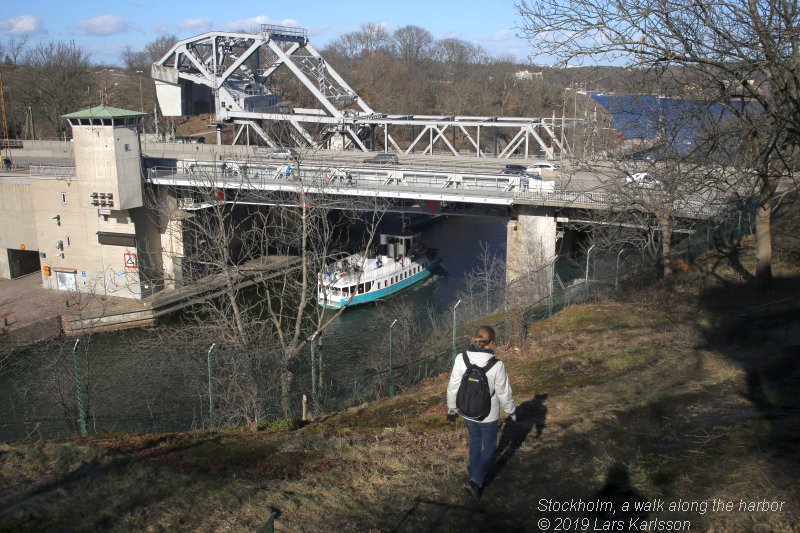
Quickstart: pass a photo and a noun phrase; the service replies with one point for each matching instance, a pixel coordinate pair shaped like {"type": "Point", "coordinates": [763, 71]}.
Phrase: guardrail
{"type": "Point", "coordinates": [391, 180]}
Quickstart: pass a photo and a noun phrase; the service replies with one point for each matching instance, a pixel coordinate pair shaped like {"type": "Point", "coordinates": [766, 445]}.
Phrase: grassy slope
{"type": "Point", "coordinates": [657, 396]}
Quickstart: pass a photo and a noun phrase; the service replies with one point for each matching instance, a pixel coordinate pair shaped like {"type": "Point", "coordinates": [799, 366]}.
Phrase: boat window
{"type": "Point", "coordinates": [367, 286]}
{"type": "Point", "coordinates": [360, 288]}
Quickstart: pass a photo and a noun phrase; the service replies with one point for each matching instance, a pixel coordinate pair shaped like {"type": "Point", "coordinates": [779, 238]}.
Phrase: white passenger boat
{"type": "Point", "coordinates": [400, 261]}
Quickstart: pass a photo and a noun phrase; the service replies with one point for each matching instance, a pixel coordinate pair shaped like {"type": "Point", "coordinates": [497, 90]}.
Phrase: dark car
{"type": "Point", "coordinates": [383, 158]}
{"type": "Point", "coordinates": [515, 169]}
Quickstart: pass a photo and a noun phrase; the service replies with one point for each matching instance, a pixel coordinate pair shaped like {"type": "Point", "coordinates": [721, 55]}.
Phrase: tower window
{"type": "Point", "coordinates": [63, 197]}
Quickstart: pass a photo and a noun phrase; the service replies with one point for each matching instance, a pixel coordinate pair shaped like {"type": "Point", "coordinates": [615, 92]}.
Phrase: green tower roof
{"type": "Point", "coordinates": [103, 111]}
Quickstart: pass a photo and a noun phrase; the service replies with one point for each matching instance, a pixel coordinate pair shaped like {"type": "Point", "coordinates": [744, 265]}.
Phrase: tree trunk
{"type": "Point", "coordinates": [763, 245]}
{"type": "Point", "coordinates": [665, 223]}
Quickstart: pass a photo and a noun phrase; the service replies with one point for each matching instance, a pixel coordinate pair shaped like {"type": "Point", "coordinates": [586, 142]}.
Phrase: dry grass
{"type": "Point", "coordinates": [637, 399]}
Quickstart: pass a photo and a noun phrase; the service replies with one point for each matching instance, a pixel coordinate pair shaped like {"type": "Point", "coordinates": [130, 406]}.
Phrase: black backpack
{"type": "Point", "coordinates": [474, 399]}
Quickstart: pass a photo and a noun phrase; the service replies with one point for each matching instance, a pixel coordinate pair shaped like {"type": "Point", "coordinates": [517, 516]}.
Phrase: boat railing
{"type": "Point", "coordinates": [362, 275]}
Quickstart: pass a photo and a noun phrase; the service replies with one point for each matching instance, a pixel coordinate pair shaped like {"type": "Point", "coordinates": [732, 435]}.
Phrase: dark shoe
{"type": "Point", "coordinates": [473, 489]}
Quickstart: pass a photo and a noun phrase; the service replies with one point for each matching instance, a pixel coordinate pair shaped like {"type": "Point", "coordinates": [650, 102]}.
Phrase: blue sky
{"type": "Point", "coordinates": [104, 28]}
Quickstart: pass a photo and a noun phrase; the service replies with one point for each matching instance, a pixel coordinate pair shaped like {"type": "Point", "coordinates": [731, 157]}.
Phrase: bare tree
{"type": "Point", "coordinates": [56, 76]}
{"type": "Point", "coordinates": [234, 235]}
{"type": "Point", "coordinates": [412, 43]}
{"type": "Point", "coordinates": [11, 50]}
{"type": "Point", "coordinates": [724, 52]}
{"type": "Point", "coordinates": [153, 51]}
{"type": "Point", "coordinates": [369, 39]}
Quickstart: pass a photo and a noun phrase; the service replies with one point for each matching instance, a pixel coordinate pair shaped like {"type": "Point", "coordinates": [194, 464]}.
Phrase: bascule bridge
{"type": "Point", "coordinates": [242, 79]}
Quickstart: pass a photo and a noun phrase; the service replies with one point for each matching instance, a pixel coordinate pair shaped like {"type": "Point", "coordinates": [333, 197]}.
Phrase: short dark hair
{"type": "Point", "coordinates": [484, 336]}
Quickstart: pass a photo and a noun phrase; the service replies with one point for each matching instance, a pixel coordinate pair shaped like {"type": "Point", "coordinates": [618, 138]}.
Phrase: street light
{"type": "Point", "coordinates": [454, 326]}
{"type": "Point", "coordinates": [313, 370]}
{"type": "Point", "coordinates": [141, 100]}
{"type": "Point", "coordinates": [391, 381]}
{"type": "Point", "coordinates": [588, 255]}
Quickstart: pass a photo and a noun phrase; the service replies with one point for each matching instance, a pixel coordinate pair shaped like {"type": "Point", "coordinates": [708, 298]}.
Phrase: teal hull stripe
{"type": "Point", "coordinates": [386, 291]}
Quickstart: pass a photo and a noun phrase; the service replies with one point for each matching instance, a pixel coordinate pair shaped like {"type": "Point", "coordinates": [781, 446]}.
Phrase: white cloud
{"type": "Point", "coordinates": [102, 25]}
{"type": "Point", "coordinates": [502, 35]}
{"type": "Point", "coordinates": [22, 25]}
{"type": "Point", "coordinates": [197, 25]}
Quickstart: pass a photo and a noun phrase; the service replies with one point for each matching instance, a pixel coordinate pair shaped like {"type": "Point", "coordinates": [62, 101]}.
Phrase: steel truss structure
{"type": "Point", "coordinates": [239, 76]}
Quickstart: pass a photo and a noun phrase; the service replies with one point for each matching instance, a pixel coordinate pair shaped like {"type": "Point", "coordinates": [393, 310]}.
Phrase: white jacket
{"type": "Point", "coordinates": [498, 383]}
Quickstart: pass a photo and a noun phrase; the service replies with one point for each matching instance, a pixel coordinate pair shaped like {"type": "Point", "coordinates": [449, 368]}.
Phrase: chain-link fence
{"type": "Point", "coordinates": [133, 381]}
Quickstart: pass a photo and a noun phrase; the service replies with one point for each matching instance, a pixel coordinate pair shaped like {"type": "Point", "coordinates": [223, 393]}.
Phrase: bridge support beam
{"type": "Point", "coordinates": [530, 250]}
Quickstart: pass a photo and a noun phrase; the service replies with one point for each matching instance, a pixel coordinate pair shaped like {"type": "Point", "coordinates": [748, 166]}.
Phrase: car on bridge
{"type": "Point", "coordinates": [539, 166]}
{"type": "Point", "coordinates": [642, 179]}
{"type": "Point", "coordinates": [517, 172]}
{"type": "Point", "coordinates": [514, 169]}
{"type": "Point", "coordinates": [383, 158]}
{"type": "Point", "coordinates": [280, 153]}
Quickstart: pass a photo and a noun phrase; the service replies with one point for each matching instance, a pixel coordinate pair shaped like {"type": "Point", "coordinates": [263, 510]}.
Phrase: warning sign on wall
{"type": "Point", "coordinates": [130, 260]}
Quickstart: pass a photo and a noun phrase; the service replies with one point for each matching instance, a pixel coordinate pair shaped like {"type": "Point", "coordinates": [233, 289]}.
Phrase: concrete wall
{"type": "Point", "coordinates": [16, 220]}
{"type": "Point", "coordinates": [99, 268]}
{"type": "Point", "coordinates": [107, 160]}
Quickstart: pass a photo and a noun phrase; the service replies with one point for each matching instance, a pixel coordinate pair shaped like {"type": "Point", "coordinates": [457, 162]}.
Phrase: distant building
{"type": "Point", "coordinates": [528, 75]}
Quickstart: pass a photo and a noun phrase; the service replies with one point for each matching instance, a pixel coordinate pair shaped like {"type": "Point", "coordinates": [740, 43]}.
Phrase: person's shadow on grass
{"type": "Point", "coordinates": [530, 415]}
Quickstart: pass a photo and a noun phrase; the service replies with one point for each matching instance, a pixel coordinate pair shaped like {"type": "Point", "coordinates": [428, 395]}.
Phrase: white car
{"type": "Point", "coordinates": [539, 166]}
{"type": "Point", "coordinates": [642, 179]}
{"type": "Point", "coordinates": [280, 153]}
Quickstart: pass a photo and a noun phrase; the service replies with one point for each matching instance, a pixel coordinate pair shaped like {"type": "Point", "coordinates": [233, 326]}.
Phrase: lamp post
{"type": "Point", "coordinates": [141, 100]}
{"type": "Point", "coordinates": [454, 326]}
{"type": "Point", "coordinates": [313, 370]}
{"type": "Point", "coordinates": [616, 272]}
{"type": "Point", "coordinates": [78, 392]}
{"type": "Point", "coordinates": [210, 393]}
{"type": "Point", "coordinates": [588, 256]}
{"type": "Point", "coordinates": [391, 381]}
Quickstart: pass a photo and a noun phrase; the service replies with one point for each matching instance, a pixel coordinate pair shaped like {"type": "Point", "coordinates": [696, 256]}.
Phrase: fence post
{"type": "Point", "coordinates": [454, 326]}
{"type": "Point", "coordinates": [505, 314]}
{"type": "Point", "coordinates": [552, 287]}
{"type": "Point", "coordinates": [616, 271]}
{"type": "Point", "coordinates": [210, 394]}
{"type": "Point", "coordinates": [77, 371]}
{"type": "Point", "coordinates": [588, 255]}
{"type": "Point", "coordinates": [739, 227]}
{"type": "Point", "coordinates": [391, 381]}
{"type": "Point", "coordinates": [641, 268]}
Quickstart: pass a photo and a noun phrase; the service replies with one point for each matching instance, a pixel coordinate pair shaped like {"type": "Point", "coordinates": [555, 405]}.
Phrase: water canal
{"type": "Point", "coordinates": [146, 389]}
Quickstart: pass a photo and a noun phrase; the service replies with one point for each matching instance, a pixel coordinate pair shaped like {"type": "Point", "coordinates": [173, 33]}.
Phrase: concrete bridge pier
{"type": "Point", "coordinates": [530, 250]}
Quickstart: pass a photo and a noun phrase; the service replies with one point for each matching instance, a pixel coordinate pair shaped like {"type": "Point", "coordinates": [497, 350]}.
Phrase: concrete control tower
{"type": "Point", "coordinates": [88, 229]}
